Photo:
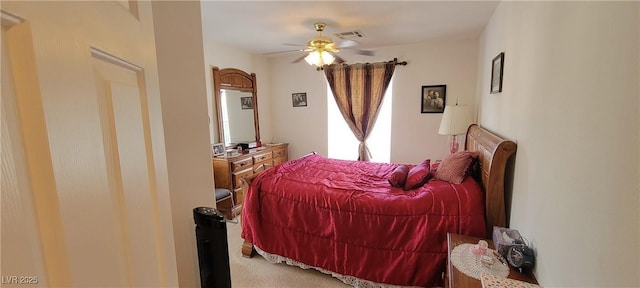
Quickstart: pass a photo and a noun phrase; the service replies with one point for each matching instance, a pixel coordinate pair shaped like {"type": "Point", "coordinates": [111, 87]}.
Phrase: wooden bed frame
{"type": "Point", "coordinates": [494, 154]}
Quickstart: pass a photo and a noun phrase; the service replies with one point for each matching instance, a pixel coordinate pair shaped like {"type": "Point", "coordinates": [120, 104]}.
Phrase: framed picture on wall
{"type": "Point", "coordinates": [246, 102]}
{"type": "Point", "coordinates": [433, 98]}
{"type": "Point", "coordinates": [299, 99]}
{"type": "Point", "coordinates": [497, 66]}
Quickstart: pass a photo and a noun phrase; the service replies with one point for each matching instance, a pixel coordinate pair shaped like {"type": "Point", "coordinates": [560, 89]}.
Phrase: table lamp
{"type": "Point", "coordinates": [455, 121]}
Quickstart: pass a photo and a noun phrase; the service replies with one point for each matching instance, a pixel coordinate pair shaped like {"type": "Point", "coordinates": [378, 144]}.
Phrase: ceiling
{"type": "Point", "coordinates": [265, 27]}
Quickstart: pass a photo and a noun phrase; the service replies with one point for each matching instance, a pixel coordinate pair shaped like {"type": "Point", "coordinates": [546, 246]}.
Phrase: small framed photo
{"type": "Point", "coordinates": [217, 149]}
{"type": "Point", "coordinates": [497, 66]}
{"type": "Point", "coordinates": [246, 102]}
{"type": "Point", "coordinates": [299, 99]}
{"type": "Point", "coordinates": [433, 98]}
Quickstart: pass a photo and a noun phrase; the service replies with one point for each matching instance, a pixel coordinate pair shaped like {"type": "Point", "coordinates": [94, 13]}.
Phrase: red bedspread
{"type": "Point", "coordinates": [343, 216]}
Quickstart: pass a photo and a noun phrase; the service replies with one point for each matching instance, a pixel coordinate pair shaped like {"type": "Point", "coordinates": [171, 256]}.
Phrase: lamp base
{"type": "Point", "coordinates": [453, 146]}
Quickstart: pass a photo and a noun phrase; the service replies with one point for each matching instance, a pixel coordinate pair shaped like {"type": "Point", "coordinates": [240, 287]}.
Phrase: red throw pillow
{"type": "Point", "coordinates": [455, 167]}
{"type": "Point", "coordinates": [418, 175]}
{"type": "Point", "coordinates": [398, 176]}
{"type": "Point", "coordinates": [434, 166]}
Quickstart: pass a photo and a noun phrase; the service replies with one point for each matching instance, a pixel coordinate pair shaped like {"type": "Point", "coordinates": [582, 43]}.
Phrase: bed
{"type": "Point", "coordinates": [344, 219]}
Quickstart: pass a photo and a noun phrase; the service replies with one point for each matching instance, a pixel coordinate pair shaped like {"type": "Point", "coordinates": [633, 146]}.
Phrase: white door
{"type": "Point", "coordinates": [83, 196]}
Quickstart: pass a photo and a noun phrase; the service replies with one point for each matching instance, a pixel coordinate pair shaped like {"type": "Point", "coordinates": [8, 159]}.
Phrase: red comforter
{"type": "Point", "coordinates": [343, 216]}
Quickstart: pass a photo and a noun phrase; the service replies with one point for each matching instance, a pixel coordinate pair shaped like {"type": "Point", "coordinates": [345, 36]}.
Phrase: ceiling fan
{"type": "Point", "coordinates": [322, 50]}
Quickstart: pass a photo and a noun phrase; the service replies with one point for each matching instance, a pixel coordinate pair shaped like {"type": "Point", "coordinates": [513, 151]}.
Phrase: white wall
{"type": "Point", "coordinates": [184, 110]}
{"type": "Point", "coordinates": [414, 135]}
{"type": "Point", "coordinates": [570, 100]}
{"type": "Point", "coordinates": [304, 128]}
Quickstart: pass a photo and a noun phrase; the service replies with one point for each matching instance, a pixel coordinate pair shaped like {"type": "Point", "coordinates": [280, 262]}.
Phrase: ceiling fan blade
{"type": "Point", "coordinates": [291, 44]}
{"type": "Point", "coordinates": [347, 43]}
{"type": "Point", "coordinates": [299, 59]}
{"type": "Point", "coordinates": [280, 52]}
{"type": "Point", "coordinates": [361, 52]}
{"type": "Point", "coordinates": [339, 59]}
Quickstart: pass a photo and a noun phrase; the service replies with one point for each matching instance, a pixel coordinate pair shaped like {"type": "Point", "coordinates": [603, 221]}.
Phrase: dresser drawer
{"type": "Point", "coordinates": [277, 161]}
{"type": "Point", "coordinates": [241, 164]}
{"type": "Point", "coordinates": [239, 195]}
{"type": "Point", "coordinates": [237, 176]}
{"type": "Point", "coordinates": [280, 153]}
{"type": "Point", "coordinates": [259, 168]}
{"type": "Point", "coordinates": [261, 157]}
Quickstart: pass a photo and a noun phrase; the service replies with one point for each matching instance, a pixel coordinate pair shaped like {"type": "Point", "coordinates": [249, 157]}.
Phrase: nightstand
{"type": "Point", "coordinates": [456, 279]}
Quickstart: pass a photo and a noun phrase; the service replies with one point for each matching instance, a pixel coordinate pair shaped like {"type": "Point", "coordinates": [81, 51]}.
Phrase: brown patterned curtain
{"type": "Point", "coordinates": [358, 90]}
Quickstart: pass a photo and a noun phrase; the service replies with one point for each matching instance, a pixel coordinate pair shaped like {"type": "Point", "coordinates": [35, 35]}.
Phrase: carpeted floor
{"type": "Point", "coordinates": [257, 272]}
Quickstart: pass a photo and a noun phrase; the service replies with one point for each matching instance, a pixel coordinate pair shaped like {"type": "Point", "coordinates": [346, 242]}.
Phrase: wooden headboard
{"type": "Point", "coordinates": [494, 154]}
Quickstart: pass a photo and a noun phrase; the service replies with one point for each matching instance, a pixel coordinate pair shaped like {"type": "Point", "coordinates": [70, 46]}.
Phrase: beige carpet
{"type": "Point", "coordinates": [257, 272]}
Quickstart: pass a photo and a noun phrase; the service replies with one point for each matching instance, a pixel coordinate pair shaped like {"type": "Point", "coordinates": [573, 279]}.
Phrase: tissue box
{"type": "Point", "coordinates": [503, 238]}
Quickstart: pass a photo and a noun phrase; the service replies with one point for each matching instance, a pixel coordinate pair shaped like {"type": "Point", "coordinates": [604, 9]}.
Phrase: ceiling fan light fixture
{"type": "Point", "coordinates": [319, 58]}
{"type": "Point", "coordinates": [327, 58]}
{"type": "Point", "coordinates": [313, 58]}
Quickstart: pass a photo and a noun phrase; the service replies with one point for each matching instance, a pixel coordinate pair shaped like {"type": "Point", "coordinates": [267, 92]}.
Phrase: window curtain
{"type": "Point", "coordinates": [358, 90]}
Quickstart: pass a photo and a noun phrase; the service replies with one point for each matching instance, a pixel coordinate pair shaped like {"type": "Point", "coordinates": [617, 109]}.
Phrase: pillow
{"type": "Point", "coordinates": [418, 175]}
{"type": "Point", "coordinates": [398, 176]}
{"type": "Point", "coordinates": [455, 167]}
{"type": "Point", "coordinates": [434, 166]}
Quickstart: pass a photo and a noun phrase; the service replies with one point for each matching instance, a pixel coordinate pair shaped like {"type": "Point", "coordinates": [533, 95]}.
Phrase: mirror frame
{"type": "Point", "coordinates": [238, 80]}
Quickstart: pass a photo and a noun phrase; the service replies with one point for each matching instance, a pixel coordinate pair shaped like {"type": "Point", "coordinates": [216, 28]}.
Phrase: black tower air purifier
{"type": "Point", "coordinates": [213, 249]}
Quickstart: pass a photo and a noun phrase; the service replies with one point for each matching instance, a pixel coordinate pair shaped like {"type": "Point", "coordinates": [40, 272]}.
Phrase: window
{"type": "Point", "coordinates": [344, 145]}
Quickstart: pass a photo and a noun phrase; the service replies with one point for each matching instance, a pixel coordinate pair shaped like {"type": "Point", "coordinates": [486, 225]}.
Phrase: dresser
{"type": "Point", "coordinates": [229, 171]}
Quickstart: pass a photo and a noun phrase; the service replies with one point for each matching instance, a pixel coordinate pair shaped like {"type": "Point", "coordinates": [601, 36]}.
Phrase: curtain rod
{"type": "Point", "coordinates": [395, 61]}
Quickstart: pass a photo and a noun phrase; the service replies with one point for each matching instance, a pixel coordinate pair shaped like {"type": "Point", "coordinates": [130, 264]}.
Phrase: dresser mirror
{"type": "Point", "coordinates": [236, 105]}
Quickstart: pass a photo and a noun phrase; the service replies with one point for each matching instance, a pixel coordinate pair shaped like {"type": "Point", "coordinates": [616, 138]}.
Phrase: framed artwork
{"type": "Point", "coordinates": [246, 102]}
{"type": "Point", "coordinates": [217, 149]}
{"type": "Point", "coordinates": [433, 98]}
{"type": "Point", "coordinates": [299, 99]}
{"type": "Point", "coordinates": [497, 66]}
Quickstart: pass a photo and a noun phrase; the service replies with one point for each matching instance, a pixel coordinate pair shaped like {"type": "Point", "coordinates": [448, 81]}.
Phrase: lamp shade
{"type": "Point", "coordinates": [455, 120]}
{"type": "Point", "coordinates": [319, 58]}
